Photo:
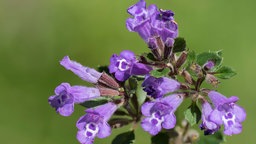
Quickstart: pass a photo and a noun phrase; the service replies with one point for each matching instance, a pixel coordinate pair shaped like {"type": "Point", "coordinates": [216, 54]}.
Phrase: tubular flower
{"type": "Point", "coordinates": [227, 112]}
{"type": "Point", "coordinates": [160, 113]}
{"type": "Point", "coordinates": [66, 96]}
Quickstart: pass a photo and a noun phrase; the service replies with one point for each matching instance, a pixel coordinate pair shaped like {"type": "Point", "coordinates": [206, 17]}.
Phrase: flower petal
{"type": "Point", "coordinates": [66, 110]}
{"type": "Point", "coordinates": [127, 55]}
{"type": "Point", "coordinates": [62, 87]}
{"type": "Point", "coordinates": [169, 121]}
{"type": "Point", "coordinates": [140, 69]}
{"type": "Point", "coordinates": [216, 117]}
{"type": "Point", "coordinates": [83, 139]}
{"type": "Point", "coordinates": [234, 129]}
{"type": "Point", "coordinates": [105, 130]}
{"type": "Point", "coordinates": [121, 76]}
{"type": "Point", "coordinates": [80, 124]}
{"type": "Point", "coordinates": [82, 93]}
{"type": "Point", "coordinates": [217, 98]}
{"type": "Point", "coordinates": [173, 100]}
{"type": "Point", "coordinates": [149, 127]}
{"type": "Point", "coordinates": [145, 108]}
{"type": "Point", "coordinates": [239, 113]}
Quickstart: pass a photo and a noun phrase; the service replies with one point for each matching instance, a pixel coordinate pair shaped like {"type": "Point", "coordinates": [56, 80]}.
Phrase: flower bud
{"type": "Point", "coordinates": [211, 79]}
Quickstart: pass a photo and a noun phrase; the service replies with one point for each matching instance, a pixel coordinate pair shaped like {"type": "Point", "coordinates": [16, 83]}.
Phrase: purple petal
{"type": "Point", "coordinates": [234, 129]}
{"type": "Point", "coordinates": [105, 130]}
{"type": "Point", "coordinates": [121, 75]}
{"type": "Point", "coordinates": [169, 85]}
{"type": "Point", "coordinates": [169, 121]}
{"type": "Point", "coordinates": [173, 100]}
{"type": "Point", "coordinates": [140, 69]}
{"type": "Point", "coordinates": [105, 110]}
{"type": "Point", "coordinates": [62, 87]}
{"type": "Point", "coordinates": [80, 124]}
{"type": "Point", "coordinates": [216, 117]}
{"type": "Point", "coordinates": [83, 139]}
{"type": "Point", "coordinates": [127, 55]}
{"type": "Point", "coordinates": [66, 110]}
{"type": "Point", "coordinates": [217, 98]}
{"type": "Point", "coordinates": [82, 93]}
{"type": "Point", "coordinates": [149, 127]}
{"type": "Point", "coordinates": [152, 9]}
{"type": "Point", "coordinates": [206, 111]}
{"type": "Point", "coordinates": [113, 60]}
{"type": "Point", "coordinates": [239, 113]}
{"type": "Point", "coordinates": [145, 108]}
{"type": "Point", "coordinates": [85, 73]}
{"type": "Point", "coordinates": [137, 8]}
{"type": "Point", "coordinates": [144, 30]}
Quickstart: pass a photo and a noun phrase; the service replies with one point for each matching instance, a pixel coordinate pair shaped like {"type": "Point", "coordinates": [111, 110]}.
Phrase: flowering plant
{"type": "Point", "coordinates": [149, 88]}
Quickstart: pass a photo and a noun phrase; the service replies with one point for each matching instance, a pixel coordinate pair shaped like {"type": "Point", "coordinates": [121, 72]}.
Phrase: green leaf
{"type": "Point", "coordinates": [124, 138]}
{"type": "Point", "coordinates": [95, 102]}
{"type": "Point", "coordinates": [202, 58]}
{"type": "Point", "coordinates": [160, 138]}
{"type": "Point", "coordinates": [225, 72]}
{"type": "Point", "coordinates": [179, 45]}
{"type": "Point", "coordinates": [159, 72]}
{"type": "Point", "coordinates": [193, 114]}
{"type": "Point", "coordinates": [141, 94]}
{"type": "Point", "coordinates": [216, 138]}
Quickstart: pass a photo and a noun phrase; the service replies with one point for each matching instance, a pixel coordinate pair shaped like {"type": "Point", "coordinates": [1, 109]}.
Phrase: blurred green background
{"type": "Point", "coordinates": [36, 34]}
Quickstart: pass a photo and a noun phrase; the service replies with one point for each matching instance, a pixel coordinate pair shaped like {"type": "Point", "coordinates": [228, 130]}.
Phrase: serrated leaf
{"type": "Point", "coordinates": [179, 45]}
{"type": "Point", "coordinates": [94, 102]}
{"type": "Point", "coordinates": [119, 122]}
{"type": "Point", "coordinates": [216, 138]}
{"type": "Point", "coordinates": [160, 138]}
{"type": "Point", "coordinates": [159, 72]}
{"type": "Point", "coordinates": [202, 58]}
{"type": "Point", "coordinates": [193, 114]}
{"type": "Point", "coordinates": [124, 138]}
{"type": "Point", "coordinates": [225, 72]}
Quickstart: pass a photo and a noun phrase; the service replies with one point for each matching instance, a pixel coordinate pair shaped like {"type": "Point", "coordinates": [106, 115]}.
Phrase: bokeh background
{"type": "Point", "coordinates": [36, 34]}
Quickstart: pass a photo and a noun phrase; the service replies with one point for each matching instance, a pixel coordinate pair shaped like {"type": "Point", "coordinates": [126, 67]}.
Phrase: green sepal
{"type": "Point", "coordinates": [124, 138]}
{"type": "Point", "coordinates": [225, 72]}
{"type": "Point", "coordinates": [160, 138]}
{"type": "Point", "coordinates": [202, 58]}
{"type": "Point", "coordinates": [193, 114]}
{"type": "Point", "coordinates": [179, 45]}
{"type": "Point", "coordinates": [95, 102]}
{"type": "Point", "coordinates": [160, 72]}
{"type": "Point", "coordinates": [216, 138]}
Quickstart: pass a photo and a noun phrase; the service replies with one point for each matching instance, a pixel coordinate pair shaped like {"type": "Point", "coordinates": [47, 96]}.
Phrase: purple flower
{"type": "Point", "coordinates": [208, 126]}
{"type": "Point", "coordinates": [94, 123]}
{"type": "Point", "coordinates": [85, 73]}
{"type": "Point", "coordinates": [158, 87]}
{"type": "Point", "coordinates": [126, 65]}
{"type": "Point", "coordinates": [160, 113]}
{"type": "Point", "coordinates": [227, 112]}
{"type": "Point", "coordinates": [66, 96]}
{"type": "Point", "coordinates": [151, 23]}
{"type": "Point", "coordinates": [209, 65]}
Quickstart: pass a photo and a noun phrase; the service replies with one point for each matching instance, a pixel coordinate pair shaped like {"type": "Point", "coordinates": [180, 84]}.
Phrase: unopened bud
{"type": "Point", "coordinates": [209, 65]}
{"type": "Point", "coordinates": [197, 69]}
{"type": "Point", "coordinates": [187, 77]}
{"type": "Point", "coordinates": [211, 79]}
{"type": "Point", "coordinates": [107, 80]}
{"type": "Point", "coordinates": [108, 92]}
{"type": "Point", "coordinates": [181, 59]}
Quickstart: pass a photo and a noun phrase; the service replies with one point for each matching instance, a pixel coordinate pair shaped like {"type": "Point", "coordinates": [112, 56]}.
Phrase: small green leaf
{"type": "Point", "coordinates": [133, 84]}
{"type": "Point", "coordinates": [141, 94]}
{"type": "Point", "coordinates": [216, 138]}
{"type": "Point", "coordinates": [202, 58]}
{"type": "Point", "coordinates": [124, 138]}
{"type": "Point", "coordinates": [95, 102]}
{"type": "Point", "coordinates": [160, 72]}
{"type": "Point", "coordinates": [179, 45]}
{"type": "Point", "coordinates": [160, 138]}
{"type": "Point", "coordinates": [193, 114]}
{"type": "Point", "coordinates": [225, 72]}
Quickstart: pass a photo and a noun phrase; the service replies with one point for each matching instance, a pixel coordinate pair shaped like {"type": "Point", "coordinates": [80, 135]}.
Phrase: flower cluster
{"type": "Point", "coordinates": [168, 74]}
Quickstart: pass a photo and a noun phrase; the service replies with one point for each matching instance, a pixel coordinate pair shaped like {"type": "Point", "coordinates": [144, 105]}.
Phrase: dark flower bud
{"type": "Point", "coordinates": [181, 59]}
{"type": "Point", "coordinates": [211, 79]}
